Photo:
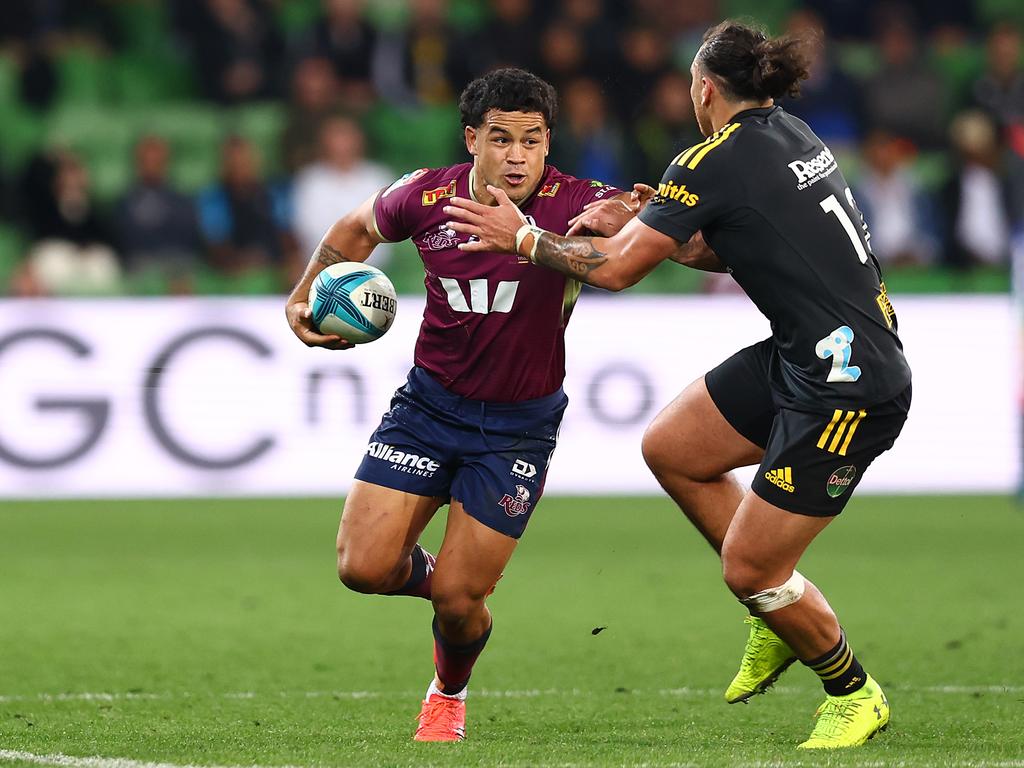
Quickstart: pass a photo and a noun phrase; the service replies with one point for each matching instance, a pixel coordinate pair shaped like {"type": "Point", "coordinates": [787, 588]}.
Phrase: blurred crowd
{"type": "Point", "coordinates": [923, 104]}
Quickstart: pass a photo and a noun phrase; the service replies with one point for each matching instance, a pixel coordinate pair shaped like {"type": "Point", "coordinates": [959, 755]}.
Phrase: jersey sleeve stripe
{"type": "Point", "coordinates": [726, 133]}
{"type": "Point", "coordinates": [373, 219]}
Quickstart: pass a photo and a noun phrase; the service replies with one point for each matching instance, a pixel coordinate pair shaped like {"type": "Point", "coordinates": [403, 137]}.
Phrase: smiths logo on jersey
{"type": "Point", "coordinates": [677, 192]}
{"type": "Point", "coordinates": [431, 196]}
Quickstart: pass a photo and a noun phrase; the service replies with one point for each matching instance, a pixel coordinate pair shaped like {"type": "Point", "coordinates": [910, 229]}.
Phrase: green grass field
{"type": "Point", "coordinates": [215, 633]}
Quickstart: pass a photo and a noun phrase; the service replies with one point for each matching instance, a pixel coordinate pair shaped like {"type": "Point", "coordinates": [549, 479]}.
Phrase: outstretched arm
{"type": "Point", "coordinates": [352, 238]}
{"type": "Point", "coordinates": [613, 263]}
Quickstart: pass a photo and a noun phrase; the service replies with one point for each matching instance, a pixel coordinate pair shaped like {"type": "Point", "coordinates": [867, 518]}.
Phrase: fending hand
{"type": "Point", "coordinates": [493, 226]}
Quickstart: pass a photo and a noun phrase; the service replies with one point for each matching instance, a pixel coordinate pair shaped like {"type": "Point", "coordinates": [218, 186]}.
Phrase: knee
{"type": "Point", "coordinates": [360, 573]}
{"type": "Point", "coordinates": [455, 605]}
{"type": "Point", "coordinates": [742, 574]}
{"type": "Point", "coordinates": [658, 450]}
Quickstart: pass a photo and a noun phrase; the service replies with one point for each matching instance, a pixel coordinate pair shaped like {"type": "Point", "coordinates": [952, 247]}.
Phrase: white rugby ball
{"type": "Point", "coordinates": [354, 301]}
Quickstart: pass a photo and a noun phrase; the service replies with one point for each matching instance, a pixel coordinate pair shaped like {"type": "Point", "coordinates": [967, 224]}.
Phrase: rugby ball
{"type": "Point", "coordinates": [354, 301]}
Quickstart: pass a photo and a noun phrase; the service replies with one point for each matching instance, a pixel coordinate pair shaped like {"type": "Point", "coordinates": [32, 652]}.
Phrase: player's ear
{"type": "Point", "coordinates": [471, 140]}
{"type": "Point", "coordinates": [547, 141]}
{"type": "Point", "coordinates": [707, 88]}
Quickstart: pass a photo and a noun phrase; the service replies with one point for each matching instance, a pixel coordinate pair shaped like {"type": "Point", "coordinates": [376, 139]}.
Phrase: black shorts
{"type": "Point", "coordinates": [812, 460]}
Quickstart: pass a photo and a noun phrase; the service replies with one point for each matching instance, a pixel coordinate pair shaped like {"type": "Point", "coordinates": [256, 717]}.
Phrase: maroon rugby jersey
{"type": "Point", "coordinates": [493, 328]}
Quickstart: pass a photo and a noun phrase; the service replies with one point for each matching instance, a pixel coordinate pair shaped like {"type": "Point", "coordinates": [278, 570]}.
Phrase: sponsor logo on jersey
{"type": "Point", "coordinates": [783, 478]}
{"type": "Point", "coordinates": [840, 480]}
{"type": "Point", "coordinates": [431, 196]}
{"type": "Point", "coordinates": [549, 190]}
{"type": "Point", "coordinates": [441, 240]}
{"type": "Point", "coordinates": [518, 504]}
{"type": "Point", "coordinates": [808, 172]}
{"type": "Point", "coordinates": [409, 178]}
{"type": "Point", "coordinates": [524, 469]}
{"type": "Point", "coordinates": [679, 193]}
{"type": "Point", "coordinates": [410, 463]}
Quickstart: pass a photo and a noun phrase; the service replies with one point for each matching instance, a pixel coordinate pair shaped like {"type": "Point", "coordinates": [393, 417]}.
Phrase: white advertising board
{"type": "Point", "coordinates": [215, 397]}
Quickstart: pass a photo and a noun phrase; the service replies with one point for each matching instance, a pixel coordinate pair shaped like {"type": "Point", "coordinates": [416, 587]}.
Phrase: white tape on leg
{"type": "Point", "coordinates": [774, 598]}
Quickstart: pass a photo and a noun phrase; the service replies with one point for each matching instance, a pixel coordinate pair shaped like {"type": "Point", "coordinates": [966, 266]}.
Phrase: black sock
{"type": "Point", "coordinates": [839, 670]}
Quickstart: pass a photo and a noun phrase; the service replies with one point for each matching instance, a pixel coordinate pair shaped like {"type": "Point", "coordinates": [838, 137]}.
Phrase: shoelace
{"type": "Point", "coordinates": [757, 640]}
{"type": "Point", "coordinates": [834, 716]}
{"type": "Point", "coordinates": [439, 716]}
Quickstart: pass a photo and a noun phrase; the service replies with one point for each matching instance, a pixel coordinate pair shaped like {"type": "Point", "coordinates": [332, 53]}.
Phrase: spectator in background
{"type": "Point", "coordinates": [976, 206]}
{"type": "Point", "coordinates": [422, 64]}
{"type": "Point", "coordinates": [1000, 89]}
{"type": "Point", "coordinates": [156, 226]}
{"type": "Point", "coordinates": [905, 97]}
{"type": "Point", "coordinates": [664, 128]}
{"type": "Point", "coordinates": [600, 36]}
{"type": "Point", "coordinates": [339, 181]}
{"type": "Point", "coordinates": [588, 143]}
{"type": "Point", "coordinates": [314, 98]}
{"type": "Point", "coordinates": [72, 252]}
{"type": "Point", "coordinates": [344, 38]}
{"type": "Point", "coordinates": [508, 38]}
{"type": "Point", "coordinates": [897, 210]}
{"type": "Point", "coordinates": [237, 46]}
{"type": "Point", "coordinates": [644, 58]}
{"type": "Point", "coordinates": [562, 54]}
{"type": "Point", "coordinates": [830, 102]}
{"type": "Point", "coordinates": [244, 220]}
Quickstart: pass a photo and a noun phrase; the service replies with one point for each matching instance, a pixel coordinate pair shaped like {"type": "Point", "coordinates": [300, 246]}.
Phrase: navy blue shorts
{"type": "Point", "coordinates": [491, 457]}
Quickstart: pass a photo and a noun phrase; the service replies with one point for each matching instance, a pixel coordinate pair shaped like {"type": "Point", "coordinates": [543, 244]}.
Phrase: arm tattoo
{"type": "Point", "coordinates": [327, 255]}
{"type": "Point", "coordinates": [575, 256]}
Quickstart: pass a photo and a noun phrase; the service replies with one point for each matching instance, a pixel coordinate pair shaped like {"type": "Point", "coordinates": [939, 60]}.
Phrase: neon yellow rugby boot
{"type": "Point", "coordinates": [850, 720]}
{"type": "Point", "coordinates": [765, 658]}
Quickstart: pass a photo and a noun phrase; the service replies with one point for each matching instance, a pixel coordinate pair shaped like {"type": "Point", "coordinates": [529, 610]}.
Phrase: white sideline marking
{"type": "Point", "coordinates": [68, 761]}
{"type": "Point", "coordinates": [484, 693]}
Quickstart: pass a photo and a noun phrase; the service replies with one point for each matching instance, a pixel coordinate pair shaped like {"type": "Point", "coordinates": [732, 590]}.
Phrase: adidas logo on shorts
{"type": "Point", "coordinates": [782, 478]}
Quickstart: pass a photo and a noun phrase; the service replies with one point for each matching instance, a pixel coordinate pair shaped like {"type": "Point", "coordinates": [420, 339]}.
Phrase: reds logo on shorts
{"type": "Point", "coordinates": [519, 505]}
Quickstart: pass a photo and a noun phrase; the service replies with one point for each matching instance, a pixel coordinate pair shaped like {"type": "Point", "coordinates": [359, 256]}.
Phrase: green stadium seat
{"type": "Point", "coordinates": [405, 269]}
{"type": "Point", "coordinates": [195, 132]}
{"type": "Point", "coordinates": [12, 248]}
{"type": "Point", "coordinates": [21, 134]}
{"type": "Point", "coordinates": [858, 60]}
{"type": "Point", "coordinates": [262, 124]}
{"type": "Point", "coordinates": [771, 13]}
{"type": "Point", "coordinates": [9, 82]}
{"type": "Point", "coordinates": [992, 11]}
{"type": "Point", "coordinates": [86, 77]}
{"type": "Point", "coordinates": [297, 15]}
{"type": "Point", "coordinates": [406, 139]}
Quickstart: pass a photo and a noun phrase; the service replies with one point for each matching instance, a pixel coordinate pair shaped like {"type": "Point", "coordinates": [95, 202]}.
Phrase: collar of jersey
{"type": "Point", "coordinates": [754, 112]}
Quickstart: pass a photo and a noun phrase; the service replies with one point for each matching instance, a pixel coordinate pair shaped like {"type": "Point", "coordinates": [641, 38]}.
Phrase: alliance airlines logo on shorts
{"type": "Point", "coordinates": [518, 505]}
{"type": "Point", "coordinates": [811, 171]}
{"type": "Point", "coordinates": [410, 463]}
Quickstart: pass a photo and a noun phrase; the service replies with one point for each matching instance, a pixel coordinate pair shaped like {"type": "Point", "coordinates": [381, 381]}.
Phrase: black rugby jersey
{"type": "Point", "coordinates": [770, 200]}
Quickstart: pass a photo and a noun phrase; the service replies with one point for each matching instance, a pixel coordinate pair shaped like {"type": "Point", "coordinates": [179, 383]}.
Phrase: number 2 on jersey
{"type": "Point", "coordinates": [837, 346]}
{"type": "Point", "coordinates": [831, 204]}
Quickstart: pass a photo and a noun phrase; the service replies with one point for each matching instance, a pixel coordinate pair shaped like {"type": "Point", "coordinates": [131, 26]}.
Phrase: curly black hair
{"type": "Point", "coordinates": [507, 90]}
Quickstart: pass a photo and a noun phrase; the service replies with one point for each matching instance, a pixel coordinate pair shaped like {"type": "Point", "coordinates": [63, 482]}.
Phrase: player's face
{"type": "Point", "coordinates": [508, 151]}
{"type": "Point", "coordinates": [700, 93]}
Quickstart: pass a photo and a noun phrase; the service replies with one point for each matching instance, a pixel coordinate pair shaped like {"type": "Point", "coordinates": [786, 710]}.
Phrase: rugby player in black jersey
{"type": "Point", "coordinates": [813, 405]}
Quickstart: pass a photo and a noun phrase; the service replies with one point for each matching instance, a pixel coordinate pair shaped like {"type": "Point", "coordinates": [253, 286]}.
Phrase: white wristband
{"type": "Point", "coordinates": [522, 232]}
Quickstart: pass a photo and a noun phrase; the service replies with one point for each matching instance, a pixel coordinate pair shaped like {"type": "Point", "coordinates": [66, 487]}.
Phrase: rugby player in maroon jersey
{"type": "Point", "coordinates": [475, 425]}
